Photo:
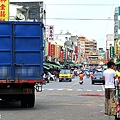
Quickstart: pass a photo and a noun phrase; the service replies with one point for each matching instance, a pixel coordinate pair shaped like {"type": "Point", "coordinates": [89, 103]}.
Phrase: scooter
{"type": "Point", "coordinates": [81, 81]}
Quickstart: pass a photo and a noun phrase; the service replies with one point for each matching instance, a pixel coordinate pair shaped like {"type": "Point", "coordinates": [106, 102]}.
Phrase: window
{"type": "Point", "coordinates": [119, 11]}
{"type": "Point", "coordinates": [119, 24]}
{"type": "Point", "coordinates": [93, 58]}
{"type": "Point", "coordinates": [32, 15]}
{"type": "Point", "coordinates": [65, 71]}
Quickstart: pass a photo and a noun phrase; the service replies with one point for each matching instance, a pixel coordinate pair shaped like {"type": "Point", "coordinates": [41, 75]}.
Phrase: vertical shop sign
{"type": "Point", "coordinates": [53, 50]}
{"type": "Point", "coordinates": [49, 49]}
{"type": "Point", "coordinates": [116, 47]}
{"type": "Point", "coordinates": [50, 32]}
{"type": "Point", "coordinates": [4, 10]}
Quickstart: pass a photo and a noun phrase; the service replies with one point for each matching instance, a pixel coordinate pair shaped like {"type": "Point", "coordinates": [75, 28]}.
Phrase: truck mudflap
{"type": "Point", "coordinates": [38, 87]}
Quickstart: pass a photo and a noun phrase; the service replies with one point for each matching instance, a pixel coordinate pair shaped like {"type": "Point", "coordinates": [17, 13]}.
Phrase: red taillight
{"type": "Point", "coordinates": [43, 80]}
{"type": "Point", "coordinates": [27, 91]}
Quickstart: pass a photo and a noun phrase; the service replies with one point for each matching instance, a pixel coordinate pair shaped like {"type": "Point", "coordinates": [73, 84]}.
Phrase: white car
{"type": "Point", "coordinates": [51, 77]}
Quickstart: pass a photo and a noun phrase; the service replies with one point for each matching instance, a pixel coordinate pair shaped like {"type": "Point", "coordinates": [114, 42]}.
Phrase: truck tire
{"type": "Point", "coordinates": [31, 100]}
{"type": "Point", "coordinates": [24, 101]}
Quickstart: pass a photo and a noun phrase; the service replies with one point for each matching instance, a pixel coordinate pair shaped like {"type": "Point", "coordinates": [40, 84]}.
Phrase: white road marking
{"type": "Point", "coordinates": [103, 87]}
{"type": "Point", "coordinates": [60, 89]}
{"type": "Point", "coordinates": [50, 89]}
{"type": "Point", "coordinates": [79, 89]}
{"type": "Point", "coordinates": [70, 89]}
{"type": "Point", "coordinates": [99, 90]}
{"type": "Point", "coordinates": [89, 90]}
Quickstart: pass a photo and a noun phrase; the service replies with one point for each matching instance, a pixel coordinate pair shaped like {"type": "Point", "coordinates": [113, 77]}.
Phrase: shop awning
{"type": "Point", "coordinates": [52, 65]}
{"type": "Point", "coordinates": [47, 68]}
{"type": "Point", "coordinates": [117, 63]}
{"type": "Point", "coordinates": [47, 65]}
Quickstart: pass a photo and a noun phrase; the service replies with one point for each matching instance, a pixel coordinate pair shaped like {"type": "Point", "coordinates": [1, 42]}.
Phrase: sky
{"type": "Point", "coordinates": [91, 29]}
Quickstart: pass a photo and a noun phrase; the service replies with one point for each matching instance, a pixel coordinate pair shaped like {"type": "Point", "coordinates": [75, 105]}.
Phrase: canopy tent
{"type": "Point", "coordinates": [117, 63]}
{"type": "Point", "coordinates": [52, 66]}
{"type": "Point", "coordinates": [45, 67]}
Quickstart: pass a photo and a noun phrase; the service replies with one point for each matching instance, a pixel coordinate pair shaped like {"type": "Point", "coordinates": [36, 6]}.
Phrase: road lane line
{"type": "Point", "coordinates": [70, 89]}
{"type": "Point", "coordinates": [71, 86]}
{"type": "Point", "coordinates": [79, 89]}
{"type": "Point", "coordinates": [60, 89]}
{"type": "Point", "coordinates": [77, 104]}
{"type": "Point", "coordinates": [50, 89]}
{"type": "Point", "coordinates": [99, 90]}
{"type": "Point", "coordinates": [89, 90]}
{"type": "Point", "coordinates": [103, 88]}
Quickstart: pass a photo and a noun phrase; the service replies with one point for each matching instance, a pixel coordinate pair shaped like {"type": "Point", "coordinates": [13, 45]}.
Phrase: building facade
{"type": "Point", "coordinates": [109, 41]}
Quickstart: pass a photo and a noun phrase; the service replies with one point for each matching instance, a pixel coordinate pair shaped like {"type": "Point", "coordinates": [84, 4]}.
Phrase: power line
{"type": "Point", "coordinates": [94, 19]}
{"type": "Point", "coordinates": [109, 17]}
{"type": "Point", "coordinates": [83, 4]}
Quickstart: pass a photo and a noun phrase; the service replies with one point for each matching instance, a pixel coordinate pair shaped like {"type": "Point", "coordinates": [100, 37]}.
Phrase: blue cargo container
{"type": "Point", "coordinates": [21, 60]}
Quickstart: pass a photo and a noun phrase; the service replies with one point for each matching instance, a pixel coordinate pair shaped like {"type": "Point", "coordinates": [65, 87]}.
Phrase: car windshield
{"type": "Point", "coordinates": [97, 74]}
{"type": "Point", "coordinates": [65, 71]}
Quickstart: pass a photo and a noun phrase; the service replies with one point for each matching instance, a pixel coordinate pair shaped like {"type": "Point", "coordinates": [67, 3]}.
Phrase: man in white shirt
{"type": "Point", "coordinates": [109, 77]}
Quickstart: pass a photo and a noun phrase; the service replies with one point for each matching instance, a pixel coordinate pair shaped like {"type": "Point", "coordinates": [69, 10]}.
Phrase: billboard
{"type": "Point", "coordinates": [4, 10]}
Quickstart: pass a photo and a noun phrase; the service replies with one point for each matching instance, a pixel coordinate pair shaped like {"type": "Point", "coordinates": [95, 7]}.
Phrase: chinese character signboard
{"type": "Point", "coordinates": [51, 32]}
{"type": "Point", "coordinates": [4, 10]}
{"type": "Point", "coordinates": [49, 49]}
{"type": "Point", "coordinates": [111, 51]}
{"type": "Point", "coordinates": [53, 50]}
{"type": "Point", "coordinates": [116, 47]}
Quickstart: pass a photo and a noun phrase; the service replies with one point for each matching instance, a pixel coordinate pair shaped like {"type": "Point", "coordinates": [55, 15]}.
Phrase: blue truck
{"type": "Point", "coordinates": [21, 61]}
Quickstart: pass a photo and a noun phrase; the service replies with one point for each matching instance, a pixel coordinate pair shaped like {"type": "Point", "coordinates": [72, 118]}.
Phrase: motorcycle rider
{"type": "Point", "coordinates": [81, 75]}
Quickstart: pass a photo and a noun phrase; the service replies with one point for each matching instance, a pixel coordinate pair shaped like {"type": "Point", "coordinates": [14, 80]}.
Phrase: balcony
{"type": "Point", "coordinates": [87, 51]}
{"type": "Point", "coordinates": [87, 45]}
{"type": "Point", "coordinates": [95, 44]}
{"type": "Point", "coordinates": [95, 48]}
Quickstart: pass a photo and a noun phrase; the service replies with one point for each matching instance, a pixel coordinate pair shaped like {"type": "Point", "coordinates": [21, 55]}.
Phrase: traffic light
{"type": "Point", "coordinates": [111, 52]}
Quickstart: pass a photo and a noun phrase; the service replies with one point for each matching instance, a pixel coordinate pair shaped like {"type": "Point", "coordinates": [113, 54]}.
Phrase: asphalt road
{"type": "Point", "coordinates": [61, 101]}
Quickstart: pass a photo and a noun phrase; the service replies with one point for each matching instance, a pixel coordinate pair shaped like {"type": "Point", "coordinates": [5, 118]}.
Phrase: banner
{"type": "Point", "coordinates": [53, 50]}
{"type": "Point", "coordinates": [4, 10]}
{"type": "Point", "coordinates": [49, 48]}
{"type": "Point", "coordinates": [50, 32]}
{"type": "Point", "coordinates": [116, 47]}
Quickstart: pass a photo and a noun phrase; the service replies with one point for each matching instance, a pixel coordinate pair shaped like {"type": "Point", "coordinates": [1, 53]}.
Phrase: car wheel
{"type": "Point", "coordinates": [47, 81]}
{"type": "Point", "coordinates": [60, 80]}
{"type": "Point", "coordinates": [70, 80]}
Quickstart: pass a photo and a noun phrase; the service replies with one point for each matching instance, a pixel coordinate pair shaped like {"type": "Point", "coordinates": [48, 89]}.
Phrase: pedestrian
{"type": "Point", "coordinates": [109, 76]}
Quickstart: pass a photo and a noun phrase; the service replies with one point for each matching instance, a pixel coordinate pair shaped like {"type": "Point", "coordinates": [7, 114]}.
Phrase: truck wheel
{"type": "Point", "coordinates": [24, 101]}
{"type": "Point", "coordinates": [31, 100]}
